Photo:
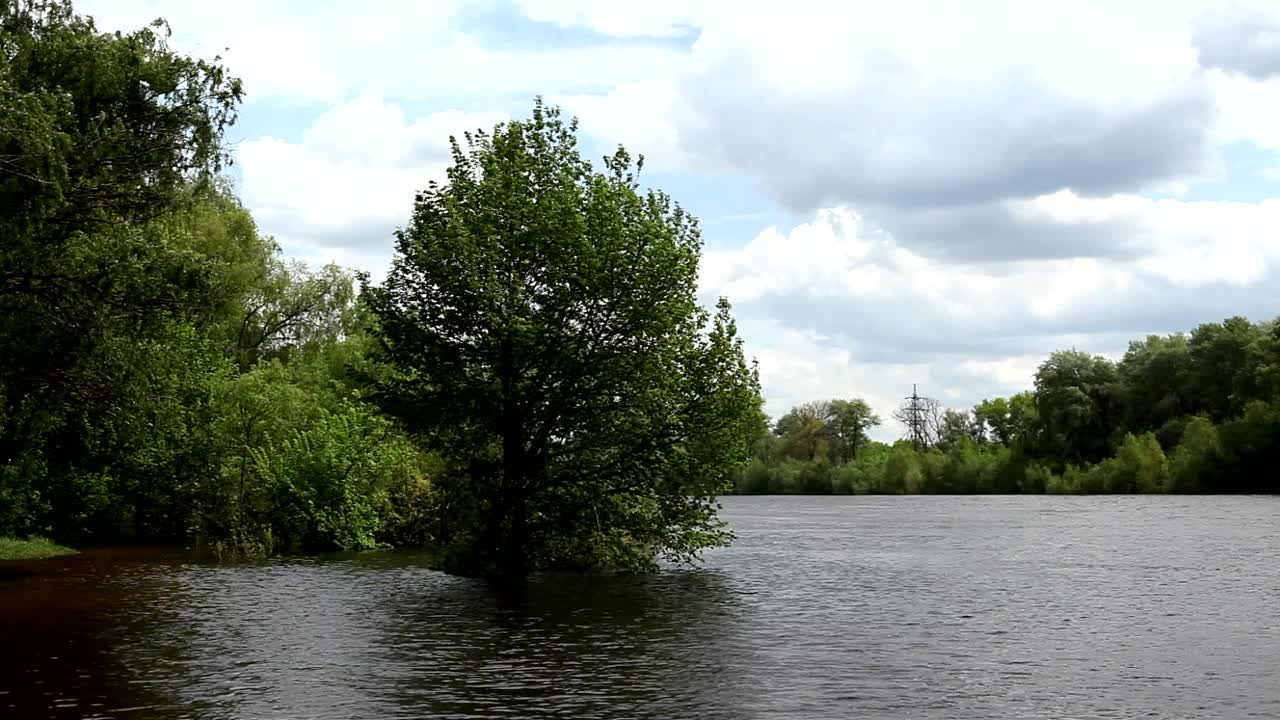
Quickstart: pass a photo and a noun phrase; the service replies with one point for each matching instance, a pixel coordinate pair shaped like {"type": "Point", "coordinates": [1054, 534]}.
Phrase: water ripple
{"type": "Point", "coordinates": [825, 608]}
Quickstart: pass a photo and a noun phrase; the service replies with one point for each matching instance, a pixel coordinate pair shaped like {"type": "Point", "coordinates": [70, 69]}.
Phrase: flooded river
{"type": "Point", "coordinates": [912, 608]}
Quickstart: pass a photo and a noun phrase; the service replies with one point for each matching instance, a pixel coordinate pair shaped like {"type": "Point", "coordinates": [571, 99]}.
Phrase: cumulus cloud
{"type": "Point", "coordinates": [838, 304]}
{"type": "Point", "coordinates": [1010, 230]}
{"type": "Point", "coordinates": [611, 116]}
{"type": "Point", "coordinates": [1247, 43]}
{"type": "Point", "coordinates": [352, 178]}
{"type": "Point", "coordinates": [1247, 109]}
{"type": "Point", "coordinates": [971, 176]}
{"type": "Point", "coordinates": [905, 137]}
{"type": "Point", "coordinates": [308, 52]}
{"type": "Point", "coordinates": [939, 124]}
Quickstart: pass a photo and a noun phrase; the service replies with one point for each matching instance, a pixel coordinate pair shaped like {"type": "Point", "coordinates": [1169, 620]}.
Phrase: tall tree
{"type": "Point", "coordinates": [805, 432]}
{"type": "Point", "coordinates": [544, 321]}
{"type": "Point", "coordinates": [1155, 378]}
{"type": "Point", "coordinates": [958, 425]}
{"type": "Point", "coordinates": [1225, 361]}
{"type": "Point", "coordinates": [835, 429]}
{"type": "Point", "coordinates": [102, 138]}
{"type": "Point", "coordinates": [851, 420]}
{"type": "Point", "coordinates": [1010, 421]}
{"type": "Point", "coordinates": [1077, 399]}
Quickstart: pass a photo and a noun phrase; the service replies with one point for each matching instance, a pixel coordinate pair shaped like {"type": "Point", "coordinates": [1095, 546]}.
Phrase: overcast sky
{"type": "Point", "coordinates": [891, 193]}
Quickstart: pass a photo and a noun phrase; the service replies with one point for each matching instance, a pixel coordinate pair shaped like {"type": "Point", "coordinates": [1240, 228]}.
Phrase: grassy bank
{"type": "Point", "coordinates": [33, 549]}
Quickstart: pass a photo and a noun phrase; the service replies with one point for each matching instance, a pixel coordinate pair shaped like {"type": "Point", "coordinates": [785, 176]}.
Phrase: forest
{"type": "Point", "coordinates": [1195, 412]}
{"type": "Point", "coordinates": [535, 385]}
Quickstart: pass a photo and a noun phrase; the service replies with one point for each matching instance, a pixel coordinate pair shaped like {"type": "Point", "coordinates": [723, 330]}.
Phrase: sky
{"type": "Point", "coordinates": [890, 193]}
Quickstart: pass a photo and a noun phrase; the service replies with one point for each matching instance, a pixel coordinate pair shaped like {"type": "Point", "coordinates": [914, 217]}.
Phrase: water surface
{"type": "Point", "coordinates": [918, 607]}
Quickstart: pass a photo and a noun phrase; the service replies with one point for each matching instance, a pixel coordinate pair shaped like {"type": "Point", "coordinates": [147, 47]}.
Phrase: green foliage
{"type": "Point", "coordinates": [879, 469]}
{"type": "Point", "coordinates": [1196, 459]}
{"type": "Point", "coordinates": [1178, 414]}
{"type": "Point", "coordinates": [329, 482]}
{"type": "Point", "coordinates": [97, 127]}
{"type": "Point", "coordinates": [1076, 402]}
{"type": "Point", "coordinates": [1012, 421]}
{"type": "Point", "coordinates": [166, 376]}
{"type": "Point", "coordinates": [101, 137]}
{"type": "Point", "coordinates": [1138, 467]}
{"type": "Point", "coordinates": [1225, 358]}
{"type": "Point", "coordinates": [959, 426]}
{"type": "Point", "coordinates": [1249, 450]}
{"type": "Point", "coordinates": [303, 465]}
{"type": "Point", "coordinates": [1156, 378]}
{"type": "Point", "coordinates": [35, 548]}
{"type": "Point", "coordinates": [833, 429]}
{"type": "Point", "coordinates": [543, 325]}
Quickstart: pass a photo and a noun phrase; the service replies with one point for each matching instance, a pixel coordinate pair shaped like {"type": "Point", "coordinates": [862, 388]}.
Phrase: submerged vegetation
{"type": "Point", "coordinates": [546, 342]}
{"type": "Point", "coordinates": [535, 385]}
{"type": "Point", "coordinates": [1194, 412]}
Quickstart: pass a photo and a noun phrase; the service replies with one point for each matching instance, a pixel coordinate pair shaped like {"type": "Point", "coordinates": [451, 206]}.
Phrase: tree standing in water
{"type": "Point", "coordinates": [543, 324]}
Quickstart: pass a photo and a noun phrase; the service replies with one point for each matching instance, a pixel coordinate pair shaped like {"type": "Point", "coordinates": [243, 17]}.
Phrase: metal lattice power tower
{"type": "Point", "coordinates": [915, 412]}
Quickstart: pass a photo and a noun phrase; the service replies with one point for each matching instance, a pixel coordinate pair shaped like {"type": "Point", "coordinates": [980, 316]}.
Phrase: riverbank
{"type": "Point", "coordinates": [36, 548]}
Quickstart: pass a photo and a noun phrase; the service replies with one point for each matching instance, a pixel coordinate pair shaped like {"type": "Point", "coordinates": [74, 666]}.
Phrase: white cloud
{"type": "Point", "coordinates": [351, 180]}
{"type": "Point", "coordinates": [654, 18]}
{"type": "Point", "coordinates": [1235, 41]}
{"type": "Point", "coordinates": [924, 104]}
{"type": "Point", "coordinates": [980, 164]}
{"type": "Point", "coordinates": [880, 106]}
{"type": "Point", "coordinates": [291, 49]}
{"type": "Point", "coordinates": [834, 307]}
{"type": "Point", "coordinates": [326, 52]}
{"type": "Point", "coordinates": [612, 117]}
{"type": "Point", "coordinates": [1247, 110]}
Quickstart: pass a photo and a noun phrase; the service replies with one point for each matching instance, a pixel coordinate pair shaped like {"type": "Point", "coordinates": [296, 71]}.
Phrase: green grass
{"type": "Point", "coordinates": [34, 549]}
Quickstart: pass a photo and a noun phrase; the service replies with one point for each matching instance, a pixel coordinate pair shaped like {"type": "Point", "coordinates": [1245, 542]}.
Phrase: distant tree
{"type": "Point", "coordinates": [834, 429]}
{"type": "Point", "coordinates": [1078, 403]}
{"type": "Point", "coordinates": [851, 421]}
{"type": "Point", "coordinates": [544, 323]}
{"type": "Point", "coordinates": [1269, 368]}
{"type": "Point", "coordinates": [1155, 377]}
{"type": "Point", "coordinates": [993, 417]}
{"type": "Point", "coordinates": [956, 426]}
{"type": "Point", "coordinates": [801, 416]}
{"type": "Point", "coordinates": [1225, 359]}
{"type": "Point", "coordinates": [806, 437]}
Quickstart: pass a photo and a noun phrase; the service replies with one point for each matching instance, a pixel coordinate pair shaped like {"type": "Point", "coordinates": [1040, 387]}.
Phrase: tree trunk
{"type": "Point", "coordinates": [514, 558]}
{"type": "Point", "coordinates": [512, 551]}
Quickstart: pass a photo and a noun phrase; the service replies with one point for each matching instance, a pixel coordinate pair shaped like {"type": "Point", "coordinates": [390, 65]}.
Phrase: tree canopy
{"type": "Point", "coordinates": [544, 321]}
{"type": "Point", "coordinates": [165, 375]}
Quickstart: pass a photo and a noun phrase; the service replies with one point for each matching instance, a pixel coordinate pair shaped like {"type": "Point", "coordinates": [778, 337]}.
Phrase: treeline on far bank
{"type": "Point", "coordinates": [1194, 412]}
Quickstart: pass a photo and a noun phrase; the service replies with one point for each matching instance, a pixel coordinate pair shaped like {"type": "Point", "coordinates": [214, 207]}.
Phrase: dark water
{"type": "Point", "coordinates": [824, 608]}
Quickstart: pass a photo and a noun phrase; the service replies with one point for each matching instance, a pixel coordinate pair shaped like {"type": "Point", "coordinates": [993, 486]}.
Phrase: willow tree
{"type": "Point", "coordinates": [543, 323]}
